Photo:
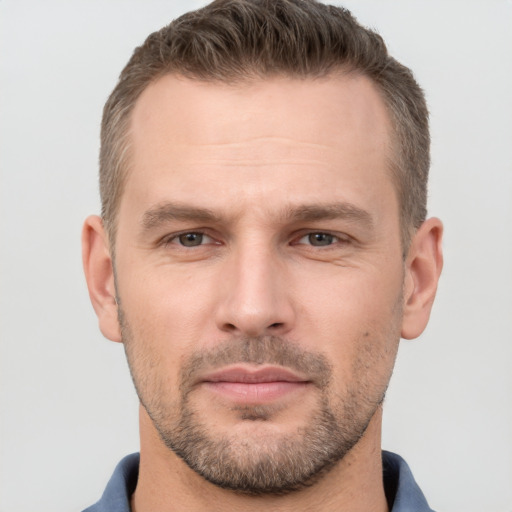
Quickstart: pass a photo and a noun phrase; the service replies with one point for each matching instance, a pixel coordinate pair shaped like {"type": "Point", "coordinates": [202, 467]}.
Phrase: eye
{"type": "Point", "coordinates": [318, 239]}
{"type": "Point", "coordinates": [191, 239]}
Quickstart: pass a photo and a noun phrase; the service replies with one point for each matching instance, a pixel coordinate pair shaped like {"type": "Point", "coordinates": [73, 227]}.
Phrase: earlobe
{"type": "Point", "coordinates": [423, 268]}
{"type": "Point", "coordinates": [99, 274]}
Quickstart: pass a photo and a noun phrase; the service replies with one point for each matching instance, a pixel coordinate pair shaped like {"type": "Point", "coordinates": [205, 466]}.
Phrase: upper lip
{"type": "Point", "coordinates": [253, 375]}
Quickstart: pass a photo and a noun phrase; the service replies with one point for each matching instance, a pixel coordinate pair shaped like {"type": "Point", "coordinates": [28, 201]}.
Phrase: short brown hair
{"type": "Point", "coordinates": [237, 40]}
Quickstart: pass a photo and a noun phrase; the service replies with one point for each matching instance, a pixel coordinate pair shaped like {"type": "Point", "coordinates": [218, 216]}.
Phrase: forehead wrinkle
{"type": "Point", "coordinates": [243, 142]}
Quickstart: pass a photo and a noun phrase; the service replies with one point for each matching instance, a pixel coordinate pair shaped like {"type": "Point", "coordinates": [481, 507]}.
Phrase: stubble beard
{"type": "Point", "coordinates": [265, 464]}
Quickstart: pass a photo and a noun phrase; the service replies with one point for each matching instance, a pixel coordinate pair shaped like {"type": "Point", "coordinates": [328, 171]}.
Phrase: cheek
{"type": "Point", "coordinates": [158, 326]}
{"type": "Point", "coordinates": [352, 302]}
{"type": "Point", "coordinates": [165, 305]}
{"type": "Point", "coordinates": [363, 358]}
{"type": "Point", "coordinates": [356, 324]}
{"type": "Point", "coordinates": [169, 315]}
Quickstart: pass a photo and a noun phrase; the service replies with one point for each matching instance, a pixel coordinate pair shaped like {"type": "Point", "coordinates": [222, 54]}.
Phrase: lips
{"type": "Point", "coordinates": [247, 385]}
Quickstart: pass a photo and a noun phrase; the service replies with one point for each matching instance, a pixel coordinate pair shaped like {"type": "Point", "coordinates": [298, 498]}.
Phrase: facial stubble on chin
{"type": "Point", "coordinates": [266, 464]}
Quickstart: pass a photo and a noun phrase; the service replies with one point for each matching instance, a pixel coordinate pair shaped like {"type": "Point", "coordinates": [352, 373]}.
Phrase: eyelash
{"type": "Point", "coordinates": [334, 239]}
{"type": "Point", "coordinates": [175, 238]}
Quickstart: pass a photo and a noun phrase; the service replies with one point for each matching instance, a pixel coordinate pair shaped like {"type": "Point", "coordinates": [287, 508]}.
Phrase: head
{"type": "Point", "coordinates": [263, 175]}
{"type": "Point", "coordinates": [236, 41]}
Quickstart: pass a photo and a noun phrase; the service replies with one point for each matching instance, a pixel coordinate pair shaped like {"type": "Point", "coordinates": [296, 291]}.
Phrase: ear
{"type": "Point", "coordinates": [99, 274]}
{"type": "Point", "coordinates": [423, 268]}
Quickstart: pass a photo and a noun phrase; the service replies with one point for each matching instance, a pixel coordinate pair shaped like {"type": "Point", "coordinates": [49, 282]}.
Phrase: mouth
{"type": "Point", "coordinates": [245, 385]}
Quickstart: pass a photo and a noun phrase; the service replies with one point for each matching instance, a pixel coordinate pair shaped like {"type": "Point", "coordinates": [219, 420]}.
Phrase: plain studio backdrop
{"type": "Point", "coordinates": [68, 409]}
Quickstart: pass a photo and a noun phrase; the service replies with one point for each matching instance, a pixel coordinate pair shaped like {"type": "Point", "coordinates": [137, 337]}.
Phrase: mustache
{"type": "Point", "coordinates": [260, 350]}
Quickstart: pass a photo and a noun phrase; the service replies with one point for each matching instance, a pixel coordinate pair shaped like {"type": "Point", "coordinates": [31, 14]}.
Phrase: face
{"type": "Point", "coordinates": [259, 273]}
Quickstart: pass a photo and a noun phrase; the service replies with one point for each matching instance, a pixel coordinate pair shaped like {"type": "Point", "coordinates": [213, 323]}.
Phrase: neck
{"type": "Point", "coordinates": [167, 484]}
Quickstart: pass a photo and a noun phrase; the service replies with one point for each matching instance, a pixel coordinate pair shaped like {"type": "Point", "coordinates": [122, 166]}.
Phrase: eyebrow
{"type": "Point", "coordinates": [171, 211]}
{"type": "Point", "coordinates": [316, 212]}
{"type": "Point", "coordinates": [168, 212]}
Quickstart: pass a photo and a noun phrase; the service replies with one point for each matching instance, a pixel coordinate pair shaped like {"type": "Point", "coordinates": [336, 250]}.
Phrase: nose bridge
{"type": "Point", "coordinates": [254, 299]}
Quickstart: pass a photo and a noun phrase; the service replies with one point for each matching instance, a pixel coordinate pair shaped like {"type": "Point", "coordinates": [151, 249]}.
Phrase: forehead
{"type": "Point", "coordinates": [298, 135]}
{"type": "Point", "coordinates": [310, 109]}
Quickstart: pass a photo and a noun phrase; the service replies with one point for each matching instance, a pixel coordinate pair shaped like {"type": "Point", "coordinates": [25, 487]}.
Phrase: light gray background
{"type": "Point", "coordinates": [68, 410]}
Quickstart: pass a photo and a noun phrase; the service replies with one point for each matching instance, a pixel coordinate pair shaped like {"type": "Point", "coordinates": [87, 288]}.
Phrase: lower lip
{"type": "Point", "coordinates": [255, 392]}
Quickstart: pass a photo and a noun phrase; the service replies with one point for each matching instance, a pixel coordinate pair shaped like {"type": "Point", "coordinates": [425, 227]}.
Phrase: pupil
{"type": "Point", "coordinates": [191, 239]}
{"type": "Point", "coordinates": [320, 239]}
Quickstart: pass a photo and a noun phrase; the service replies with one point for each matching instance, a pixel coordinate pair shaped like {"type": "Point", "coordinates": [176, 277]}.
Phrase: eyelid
{"type": "Point", "coordinates": [173, 238]}
{"type": "Point", "coordinates": [338, 237]}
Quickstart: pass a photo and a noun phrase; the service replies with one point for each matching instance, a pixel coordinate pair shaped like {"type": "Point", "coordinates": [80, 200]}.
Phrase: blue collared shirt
{"type": "Point", "coordinates": [402, 491]}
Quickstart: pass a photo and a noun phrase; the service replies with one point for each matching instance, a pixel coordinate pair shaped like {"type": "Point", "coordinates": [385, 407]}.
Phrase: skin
{"type": "Point", "coordinates": [261, 157]}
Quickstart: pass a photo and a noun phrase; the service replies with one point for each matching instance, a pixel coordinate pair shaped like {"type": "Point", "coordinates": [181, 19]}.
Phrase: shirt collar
{"type": "Point", "coordinates": [402, 491]}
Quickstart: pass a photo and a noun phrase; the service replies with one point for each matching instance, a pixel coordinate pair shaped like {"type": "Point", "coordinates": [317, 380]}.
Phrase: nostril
{"type": "Point", "coordinates": [277, 324]}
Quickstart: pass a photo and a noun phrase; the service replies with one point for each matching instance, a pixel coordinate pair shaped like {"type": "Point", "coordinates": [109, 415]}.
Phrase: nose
{"type": "Point", "coordinates": [255, 297]}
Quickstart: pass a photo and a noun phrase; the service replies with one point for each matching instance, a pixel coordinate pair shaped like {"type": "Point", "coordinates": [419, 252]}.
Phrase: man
{"type": "Point", "coordinates": [262, 248]}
